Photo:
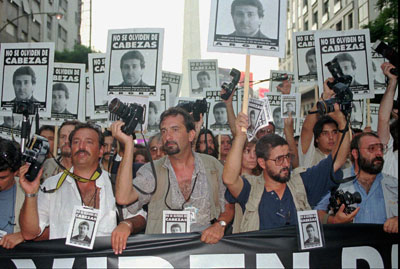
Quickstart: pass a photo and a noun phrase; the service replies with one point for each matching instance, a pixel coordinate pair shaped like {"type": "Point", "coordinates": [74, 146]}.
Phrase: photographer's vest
{"type": "Point", "coordinates": [389, 186]}
{"type": "Point", "coordinates": [251, 219]}
{"type": "Point", "coordinates": [157, 201]}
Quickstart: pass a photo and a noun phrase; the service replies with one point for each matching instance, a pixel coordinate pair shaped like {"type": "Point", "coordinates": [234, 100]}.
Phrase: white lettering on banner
{"type": "Point", "coordinates": [301, 260]}
{"type": "Point", "coordinates": [96, 262]}
{"type": "Point", "coordinates": [23, 263]}
{"type": "Point", "coordinates": [369, 254]}
{"type": "Point", "coordinates": [63, 263]}
{"type": "Point", "coordinates": [270, 260]}
{"type": "Point", "coordinates": [395, 256]}
{"type": "Point", "coordinates": [217, 261]}
{"type": "Point", "coordinates": [143, 262]}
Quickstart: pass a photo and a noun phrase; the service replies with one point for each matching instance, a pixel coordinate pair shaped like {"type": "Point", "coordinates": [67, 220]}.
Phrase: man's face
{"type": "Point", "coordinates": [249, 158]}
{"type": "Point", "coordinates": [246, 20]}
{"type": "Point", "coordinates": [50, 137]}
{"type": "Point", "coordinates": [23, 87]}
{"type": "Point", "coordinates": [6, 179]}
{"type": "Point", "coordinates": [175, 229]}
{"type": "Point", "coordinates": [289, 107]}
{"type": "Point", "coordinates": [347, 68]}
{"type": "Point", "coordinates": [279, 173]}
{"type": "Point", "coordinates": [152, 118]}
{"type": "Point", "coordinates": [108, 140]}
{"type": "Point", "coordinates": [85, 149]}
{"type": "Point", "coordinates": [277, 118]}
{"type": "Point", "coordinates": [269, 129]}
{"type": "Point", "coordinates": [63, 143]}
{"type": "Point", "coordinates": [210, 144]}
{"type": "Point", "coordinates": [175, 137]}
{"type": "Point", "coordinates": [225, 145]}
{"type": "Point", "coordinates": [253, 119]}
{"type": "Point", "coordinates": [370, 162]}
{"type": "Point", "coordinates": [220, 115]}
{"type": "Point", "coordinates": [131, 71]}
{"type": "Point", "coordinates": [9, 122]}
{"type": "Point", "coordinates": [83, 230]}
{"type": "Point", "coordinates": [156, 149]}
{"type": "Point", "coordinates": [328, 137]}
{"type": "Point", "coordinates": [310, 232]}
{"type": "Point", "coordinates": [59, 102]}
{"type": "Point", "coordinates": [312, 63]}
{"type": "Point", "coordinates": [204, 81]}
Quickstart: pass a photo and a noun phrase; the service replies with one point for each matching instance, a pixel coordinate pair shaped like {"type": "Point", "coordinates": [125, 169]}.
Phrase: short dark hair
{"type": "Point", "coordinates": [84, 223]}
{"type": "Point", "coordinates": [175, 111]}
{"type": "Point", "coordinates": [310, 52]}
{"type": "Point", "coordinates": [310, 226]}
{"type": "Point", "coordinates": [319, 125]}
{"type": "Point", "coordinates": [61, 87]}
{"type": "Point", "coordinates": [10, 155]}
{"type": "Point", "coordinates": [142, 151]}
{"type": "Point", "coordinates": [46, 128]}
{"type": "Point", "coordinates": [205, 132]}
{"type": "Point", "coordinates": [107, 133]}
{"type": "Point", "coordinates": [87, 125]}
{"type": "Point", "coordinates": [252, 112]}
{"type": "Point", "coordinates": [268, 142]}
{"type": "Point", "coordinates": [203, 73]}
{"type": "Point", "coordinates": [153, 106]}
{"type": "Point", "coordinates": [67, 122]}
{"type": "Point", "coordinates": [133, 54]}
{"type": "Point", "coordinates": [346, 57]}
{"type": "Point", "coordinates": [25, 70]}
{"type": "Point", "coordinates": [219, 105]}
{"type": "Point", "coordinates": [255, 3]}
{"type": "Point", "coordinates": [355, 143]}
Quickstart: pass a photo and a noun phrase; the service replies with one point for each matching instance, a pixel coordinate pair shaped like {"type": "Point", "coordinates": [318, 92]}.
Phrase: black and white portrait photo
{"type": "Point", "coordinates": [305, 61]}
{"type": "Point", "coordinates": [171, 83]}
{"type": "Point", "coordinates": [83, 233]}
{"type": "Point", "coordinates": [97, 91]}
{"type": "Point", "coordinates": [352, 51]}
{"type": "Point", "coordinates": [220, 116]}
{"type": "Point", "coordinates": [311, 234]}
{"type": "Point", "coordinates": [254, 24]}
{"type": "Point", "coordinates": [176, 221]}
{"type": "Point", "coordinates": [290, 104]}
{"type": "Point", "coordinates": [154, 111]}
{"type": "Point", "coordinates": [26, 71]}
{"type": "Point", "coordinates": [203, 76]}
{"type": "Point", "coordinates": [60, 99]}
{"type": "Point", "coordinates": [379, 77]}
{"type": "Point", "coordinates": [133, 62]}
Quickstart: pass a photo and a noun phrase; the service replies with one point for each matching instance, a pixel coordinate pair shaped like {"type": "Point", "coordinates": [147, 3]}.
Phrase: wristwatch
{"type": "Point", "coordinates": [222, 223]}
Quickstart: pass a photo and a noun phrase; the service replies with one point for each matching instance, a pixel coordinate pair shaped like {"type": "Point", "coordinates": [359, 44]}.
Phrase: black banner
{"type": "Point", "coordinates": [346, 246]}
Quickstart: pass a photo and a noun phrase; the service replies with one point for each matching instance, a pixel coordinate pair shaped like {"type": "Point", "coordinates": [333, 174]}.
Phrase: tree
{"type": "Point", "coordinates": [385, 26]}
{"type": "Point", "coordinates": [78, 55]}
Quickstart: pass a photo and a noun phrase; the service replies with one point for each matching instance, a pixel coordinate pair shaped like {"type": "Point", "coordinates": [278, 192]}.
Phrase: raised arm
{"type": "Point", "coordinates": [230, 112]}
{"type": "Point", "coordinates": [311, 119]}
{"type": "Point", "coordinates": [29, 215]}
{"type": "Point", "coordinates": [124, 192]}
{"type": "Point", "coordinates": [344, 149]}
{"type": "Point", "coordinates": [289, 134]}
{"type": "Point", "coordinates": [233, 163]}
{"type": "Point", "coordinates": [386, 105]}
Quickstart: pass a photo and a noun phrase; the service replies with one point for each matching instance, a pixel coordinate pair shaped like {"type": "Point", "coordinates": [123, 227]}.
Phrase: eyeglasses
{"type": "Point", "coordinates": [280, 159]}
{"type": "Point", "coordinates": [375, 147]}
{"type": "Point", "coordinates": [155, 149]}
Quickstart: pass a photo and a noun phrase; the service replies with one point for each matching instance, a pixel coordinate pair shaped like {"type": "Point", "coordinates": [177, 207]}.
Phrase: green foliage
{"type": "Point", "coordinates": [78, 55]}
{"type": "Point", "coordinates": [385, 26]}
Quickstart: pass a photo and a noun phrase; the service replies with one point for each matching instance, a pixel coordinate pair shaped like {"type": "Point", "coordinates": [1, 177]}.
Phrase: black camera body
{"type": "Point", "coordinates": [389, 53]}
{"type": "Point", "coordinates": [230, 87]}
{"type": "Point", "coordinates": [130, 114]}
{"type": "Point", "coordinates": [340, 85]}
{"type": "Point", "coordinates": [35, 154]}
{"type": "Point", "coordinates": [340, 197]}
{"type": "Point", "coordinates": [24, 107]}
{"type": "Point", "coordinates": [198, 107]}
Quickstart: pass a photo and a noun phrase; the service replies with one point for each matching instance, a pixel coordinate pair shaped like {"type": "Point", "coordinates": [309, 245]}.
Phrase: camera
{"type": "Point", "coordinates": [340, 85]}
{"type": "Point", "coordinates": [198, 107]}
{"type": "Point", "coordinates": [389, 53]}
{"type": "Point", "coordinates": [35, 154]}
{"type": "Point", "coordinates": [130, 114]}
{"type": "Point", "coordinates": [340, 197]}
{"type": "Point", "coordinates": [235, 76]}
{"type": "Point", "coordinates": [24, 107]}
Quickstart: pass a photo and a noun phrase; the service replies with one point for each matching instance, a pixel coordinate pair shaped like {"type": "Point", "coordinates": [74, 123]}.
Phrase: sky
{"type": "Point", "coordinates": [168, 14]}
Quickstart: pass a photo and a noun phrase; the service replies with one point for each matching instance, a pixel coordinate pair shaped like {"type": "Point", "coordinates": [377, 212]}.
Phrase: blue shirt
{"type": "Point", "coordinates": [7, 212]}
{"type": "Point", "coordinates": [275, 212]}
{"type": "Point", "coordinates": [372, 207]}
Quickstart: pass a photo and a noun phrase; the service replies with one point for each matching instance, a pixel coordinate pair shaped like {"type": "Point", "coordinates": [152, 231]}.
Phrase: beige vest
{"type": "Point", "coordinates": [157, 205]}
{"type": "Point", "coordinates": [19, 200]}
{"type": "Point", "coordinates": [251, 219]}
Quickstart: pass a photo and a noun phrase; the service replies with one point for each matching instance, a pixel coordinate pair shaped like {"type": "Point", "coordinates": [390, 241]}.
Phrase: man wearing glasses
{"type": "Point", "coordinates": [379, 192]}
{"type": "Point", "coordinates": [272, 199]}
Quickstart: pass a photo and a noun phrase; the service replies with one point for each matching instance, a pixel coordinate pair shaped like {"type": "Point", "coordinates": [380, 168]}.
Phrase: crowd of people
{"type": "Point", "coordinates": [229, 184]}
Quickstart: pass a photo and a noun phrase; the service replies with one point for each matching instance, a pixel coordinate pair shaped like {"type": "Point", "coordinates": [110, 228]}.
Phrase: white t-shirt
{"type": "Point", "coordinates": [391, 165]}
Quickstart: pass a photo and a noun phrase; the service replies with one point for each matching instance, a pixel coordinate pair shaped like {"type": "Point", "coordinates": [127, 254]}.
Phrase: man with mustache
{"type": "Point", "coordinates": [379, 192]}
{"type": "Point", "coordinates": [105, 160]}
{"type": "Point", "coordinates": [186, 180]}
{"type": "Point", "coordinates": [272, 199]}
{"type": "Point", "coordinates": [132, 66]}
{"type": "Point", "coordinates": [207, 146]}
{"type": "Point", "coordinates": [90, 187]}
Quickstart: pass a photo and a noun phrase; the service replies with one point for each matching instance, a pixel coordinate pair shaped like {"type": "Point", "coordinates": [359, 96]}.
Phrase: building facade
{"type": "Point", "coordinates": [22, 24]}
